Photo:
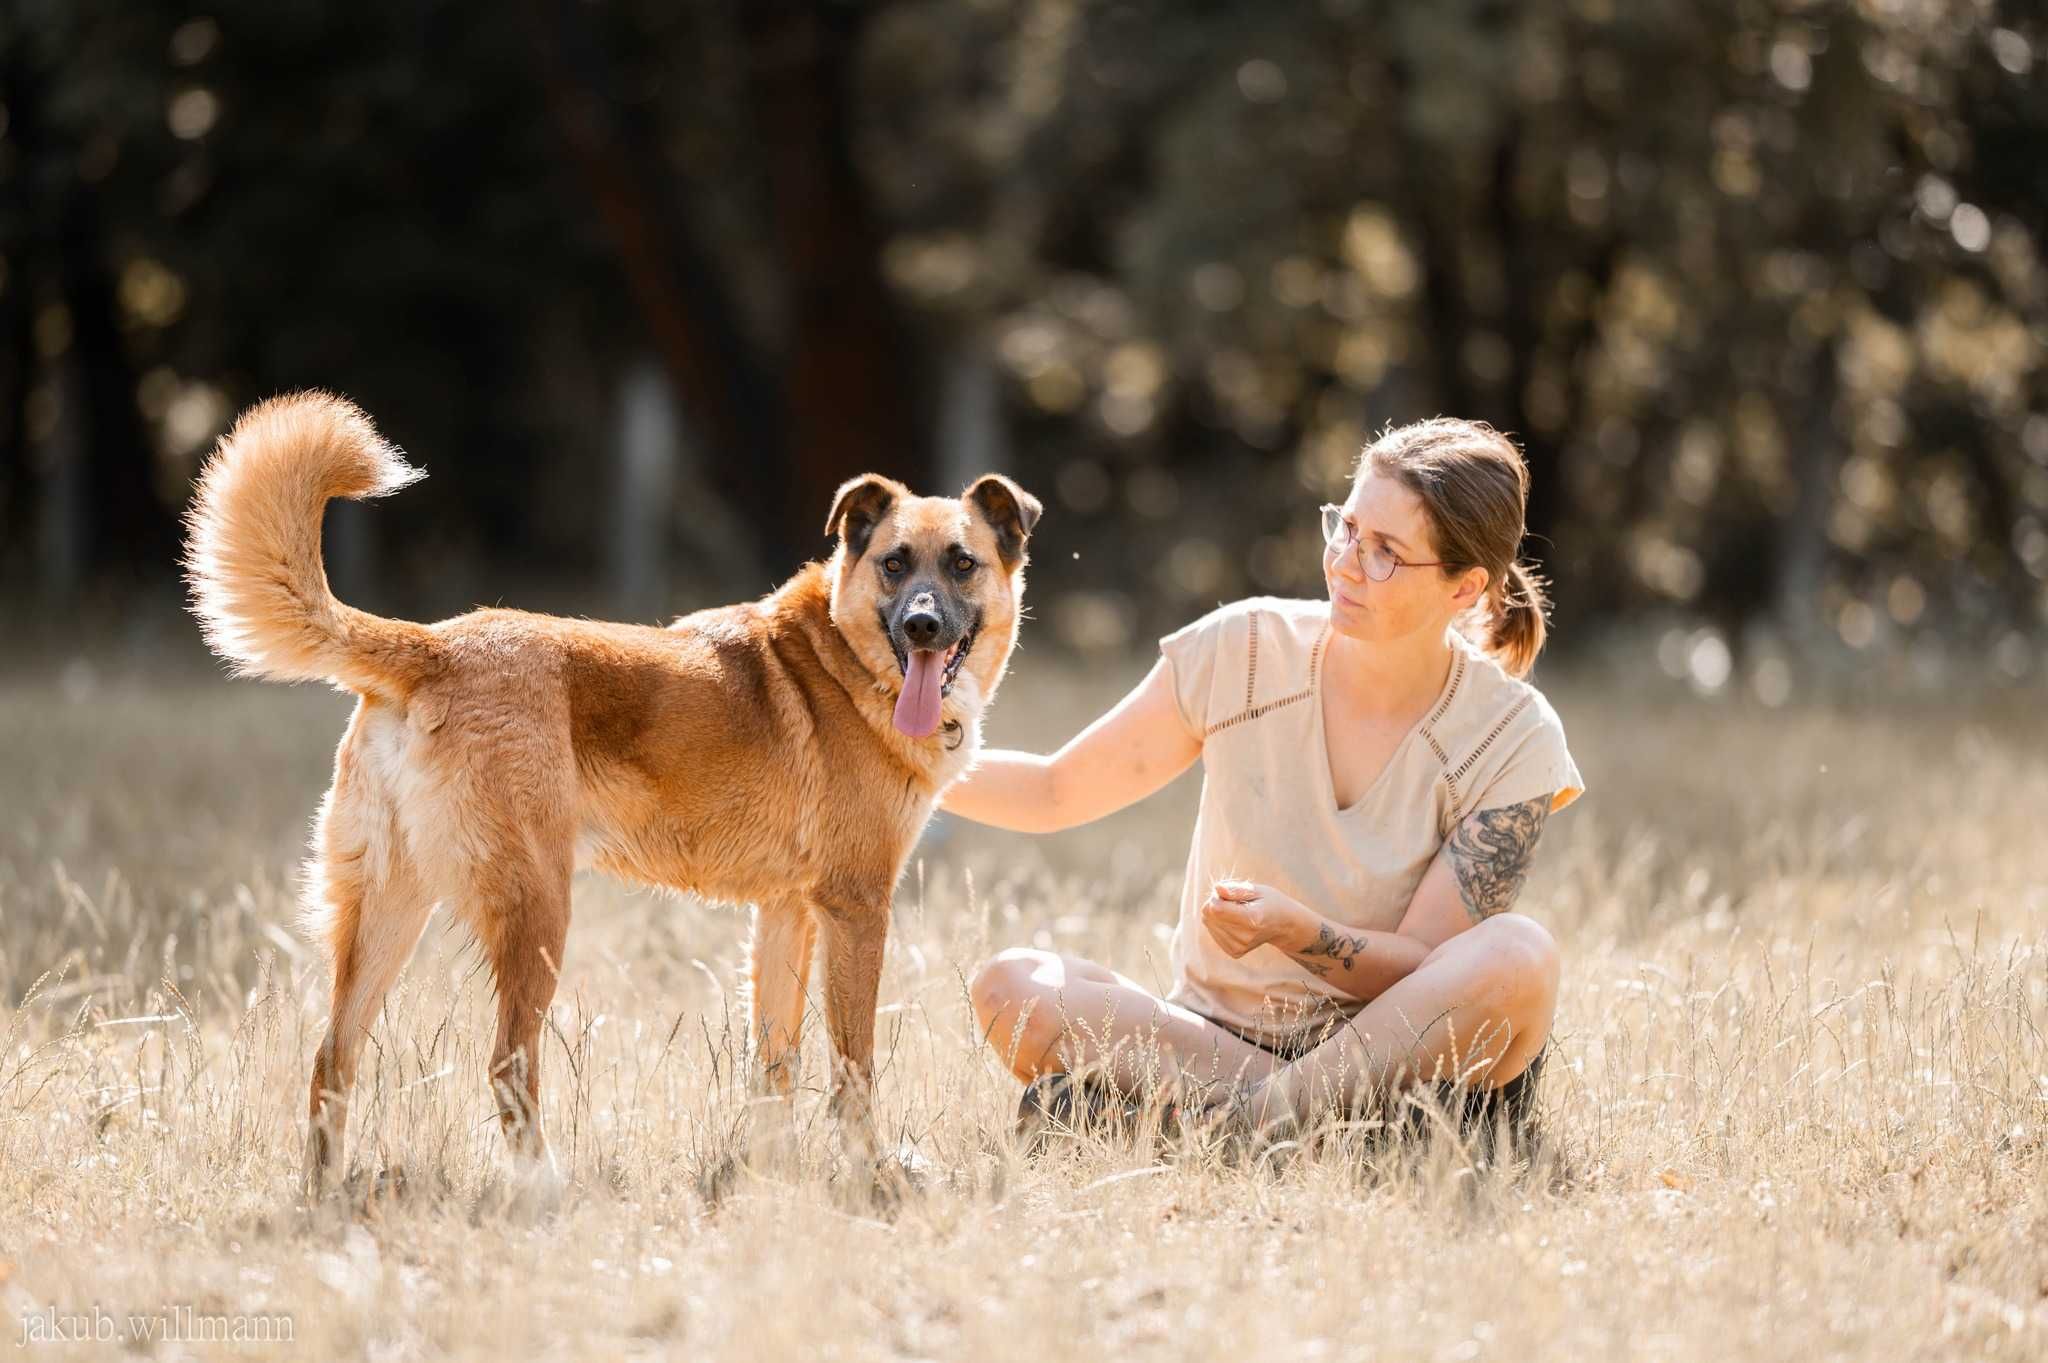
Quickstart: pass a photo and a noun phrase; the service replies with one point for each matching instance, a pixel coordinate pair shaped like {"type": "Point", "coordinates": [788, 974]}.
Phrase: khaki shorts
{"type": "Point", "coordinates": [1474, 1109]}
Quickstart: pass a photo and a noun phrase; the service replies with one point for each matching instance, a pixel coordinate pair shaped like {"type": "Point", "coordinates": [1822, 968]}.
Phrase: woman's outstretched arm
{"type": "Point", "coordinates": [1133, 750]}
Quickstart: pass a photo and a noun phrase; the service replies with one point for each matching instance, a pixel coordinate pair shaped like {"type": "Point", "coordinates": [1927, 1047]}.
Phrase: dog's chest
{"type": "Point", "coordinates": [953, 764]}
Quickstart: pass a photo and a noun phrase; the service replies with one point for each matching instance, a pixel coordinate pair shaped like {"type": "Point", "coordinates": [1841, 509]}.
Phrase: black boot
{"type": "Point", "coordinates": [1056, 1104]}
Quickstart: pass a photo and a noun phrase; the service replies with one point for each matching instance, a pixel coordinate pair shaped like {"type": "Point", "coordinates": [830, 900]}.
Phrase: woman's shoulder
{"type": "Point", "coordinates": [1496, 723]}
{"type": "Point", "coordinates": [1273, 622]}
{"type": "Point", "coordinates": [1244, 655]}
{"type": "Point", "coordinates": [1289, 609]}
{"type": "Point", "coordinates": [1486, 691]}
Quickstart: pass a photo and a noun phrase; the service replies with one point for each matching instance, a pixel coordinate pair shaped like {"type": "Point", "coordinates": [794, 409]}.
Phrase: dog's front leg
{"type": "Point", "coordinates": [854, 932]}
{"type": "Point", "coordinates": [779, 965]}
{"type": "Point", "coordinates": [784, 929]}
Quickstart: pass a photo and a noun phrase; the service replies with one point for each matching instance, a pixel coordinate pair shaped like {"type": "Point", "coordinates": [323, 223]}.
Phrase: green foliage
{"type": "Point", "coordinates": [1758, 284]}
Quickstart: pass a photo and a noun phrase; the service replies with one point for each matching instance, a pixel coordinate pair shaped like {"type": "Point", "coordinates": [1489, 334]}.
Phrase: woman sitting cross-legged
{"type": "Point", "coordinates": [1375, 777]}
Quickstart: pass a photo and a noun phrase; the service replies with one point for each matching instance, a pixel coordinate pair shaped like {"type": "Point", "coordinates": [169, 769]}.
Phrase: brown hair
{"type": "Point", "coordinates": [1475, 490]}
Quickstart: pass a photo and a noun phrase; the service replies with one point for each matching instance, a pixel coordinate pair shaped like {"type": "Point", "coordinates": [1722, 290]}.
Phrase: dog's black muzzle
{"type": "Point", "coordinates": [924, 620]}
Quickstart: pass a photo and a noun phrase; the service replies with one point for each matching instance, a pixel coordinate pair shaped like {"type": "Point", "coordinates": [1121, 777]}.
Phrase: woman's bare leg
{"type": "Point", "coordinates": [1477, 1009]}
{"type": "Point", "coordinates": [1044, 1012]}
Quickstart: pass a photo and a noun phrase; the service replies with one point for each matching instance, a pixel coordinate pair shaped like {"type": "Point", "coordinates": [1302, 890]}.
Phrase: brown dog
{"type": "Point", "coordinates": [783, 753]}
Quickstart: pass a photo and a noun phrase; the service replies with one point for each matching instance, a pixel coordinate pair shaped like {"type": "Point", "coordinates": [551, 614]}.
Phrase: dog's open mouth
{"type": "Point", "coordinates": [928, 676]}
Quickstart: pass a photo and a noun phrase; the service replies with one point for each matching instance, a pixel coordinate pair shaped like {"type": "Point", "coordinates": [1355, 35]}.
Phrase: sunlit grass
{"type": "Point", "coordinates": [1797, 1099]}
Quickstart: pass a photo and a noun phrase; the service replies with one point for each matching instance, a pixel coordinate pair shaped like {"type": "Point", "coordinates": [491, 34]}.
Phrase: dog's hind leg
{"type": "Point", "coordinates": [522, 925]}
{"type": "Point", "coordinates": [368, 909]}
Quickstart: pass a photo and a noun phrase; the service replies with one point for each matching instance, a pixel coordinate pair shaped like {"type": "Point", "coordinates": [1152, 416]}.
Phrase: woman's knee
{"type": "Point", "coordinates": [1002, 988]}
{"type": "Point", "coordinates": [1524, 953]}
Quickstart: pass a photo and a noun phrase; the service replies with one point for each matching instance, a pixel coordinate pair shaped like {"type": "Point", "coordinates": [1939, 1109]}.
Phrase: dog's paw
{"type": "Point", "coordinates": [721, 1178]}
{"type": "Point", "coordinates": [532, 1190]}
{"type": "Point", "coordinates": [357, 1194]}
{"type": "Point", "coordinates": [896, 1176]}
{"type": "Point", "coordinates": [372, 1193]}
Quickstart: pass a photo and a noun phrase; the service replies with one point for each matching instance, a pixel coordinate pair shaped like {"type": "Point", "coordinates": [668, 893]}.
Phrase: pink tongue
{"type": "Point", "coordinates": [917, 708]}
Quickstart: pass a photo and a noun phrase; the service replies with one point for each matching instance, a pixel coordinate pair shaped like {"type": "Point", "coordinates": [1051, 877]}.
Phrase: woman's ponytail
{"type": "Point", "coordinates": [1520, 611]}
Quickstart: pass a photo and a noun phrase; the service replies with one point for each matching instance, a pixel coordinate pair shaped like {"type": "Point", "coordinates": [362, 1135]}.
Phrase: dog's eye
{"type": "Point", "coordinates": [963, 564]}
{"type": "Point", "coordinates": [892, 565]}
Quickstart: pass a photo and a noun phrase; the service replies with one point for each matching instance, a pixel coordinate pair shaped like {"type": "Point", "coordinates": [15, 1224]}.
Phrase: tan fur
{"type": "Point", "coordinates": [744, 753]}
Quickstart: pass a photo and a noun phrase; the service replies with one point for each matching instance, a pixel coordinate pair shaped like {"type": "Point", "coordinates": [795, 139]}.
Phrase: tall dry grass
{"type": "Point", "coordinates": [1796, 1105]}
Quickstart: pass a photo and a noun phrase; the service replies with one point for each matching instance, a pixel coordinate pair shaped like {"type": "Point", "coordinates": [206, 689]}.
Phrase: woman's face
{"type": "Point", "coordinates": [1413, 601]}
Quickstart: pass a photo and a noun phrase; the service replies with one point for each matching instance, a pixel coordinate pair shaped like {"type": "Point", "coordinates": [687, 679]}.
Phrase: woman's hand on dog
{"type": "Point", "coordinates": [1242, 915]}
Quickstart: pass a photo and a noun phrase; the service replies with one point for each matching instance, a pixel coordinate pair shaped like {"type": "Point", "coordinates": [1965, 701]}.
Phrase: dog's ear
{"type": "Point", "coordinates": [1010, 512]}
{"type": "Point", "coordinates": [858, 508]}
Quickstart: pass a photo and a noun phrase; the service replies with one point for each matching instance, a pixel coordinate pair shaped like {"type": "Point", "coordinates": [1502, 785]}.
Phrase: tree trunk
{"type": "Point", "coordinates": [644, 495]}
{"type": "Point", "coordinates": [1523, 279]}
{"type": "Point", "coordinates": [1802, 547]}
{"type": "Point", "coordinates": [726, 392]}
{"type": "Point", "coordinates": [971, 439]}
{"type": "Point", "coordinates": [848, 403]}
{"type": "Point", "coordinates": [17, 373]}
{"type": "Point", "coordinates": [23, 244]}
{"type": "Point", "coordinates": [131, 535]}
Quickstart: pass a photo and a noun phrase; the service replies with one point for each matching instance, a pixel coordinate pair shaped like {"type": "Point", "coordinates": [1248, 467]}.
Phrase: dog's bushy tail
{"type": "Point", "coordinates": [252, 548]}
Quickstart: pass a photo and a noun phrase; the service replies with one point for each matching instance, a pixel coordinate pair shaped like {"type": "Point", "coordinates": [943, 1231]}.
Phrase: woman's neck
{"type": "Point", "coordinates": [1394, 680]}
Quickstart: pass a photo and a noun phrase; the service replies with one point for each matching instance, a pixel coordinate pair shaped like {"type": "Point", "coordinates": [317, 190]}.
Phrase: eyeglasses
{"type": "Point", "coordinates": [1377, 562]}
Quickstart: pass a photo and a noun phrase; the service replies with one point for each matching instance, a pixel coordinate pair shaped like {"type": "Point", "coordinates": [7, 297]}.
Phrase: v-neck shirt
{"type": "Point", "coordinates": [1248, 680]}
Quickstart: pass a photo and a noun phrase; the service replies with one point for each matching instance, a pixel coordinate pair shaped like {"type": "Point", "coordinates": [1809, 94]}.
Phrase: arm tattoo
{"type": "Point", "coordinates": [1491, 851]}
{"type": "Point", "coordinates": [1340, 947]}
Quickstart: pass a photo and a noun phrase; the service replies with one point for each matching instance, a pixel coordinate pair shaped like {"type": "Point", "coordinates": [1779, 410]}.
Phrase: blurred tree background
{"type": "Point", "coordinates": [1757, 284]}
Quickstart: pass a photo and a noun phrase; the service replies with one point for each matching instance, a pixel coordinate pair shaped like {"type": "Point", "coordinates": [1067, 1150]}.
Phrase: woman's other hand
{"type": "Point", "coordinates": [1242, 915]}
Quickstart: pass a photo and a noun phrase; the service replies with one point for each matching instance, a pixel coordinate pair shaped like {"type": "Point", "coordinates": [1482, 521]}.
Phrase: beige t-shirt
{"type": "Point", "coordinates": [1246, 677]}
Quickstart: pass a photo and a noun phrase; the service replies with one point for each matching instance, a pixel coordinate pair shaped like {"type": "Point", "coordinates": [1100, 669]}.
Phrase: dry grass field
{"type": "Point", "coordinates": [1798, 1104]}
